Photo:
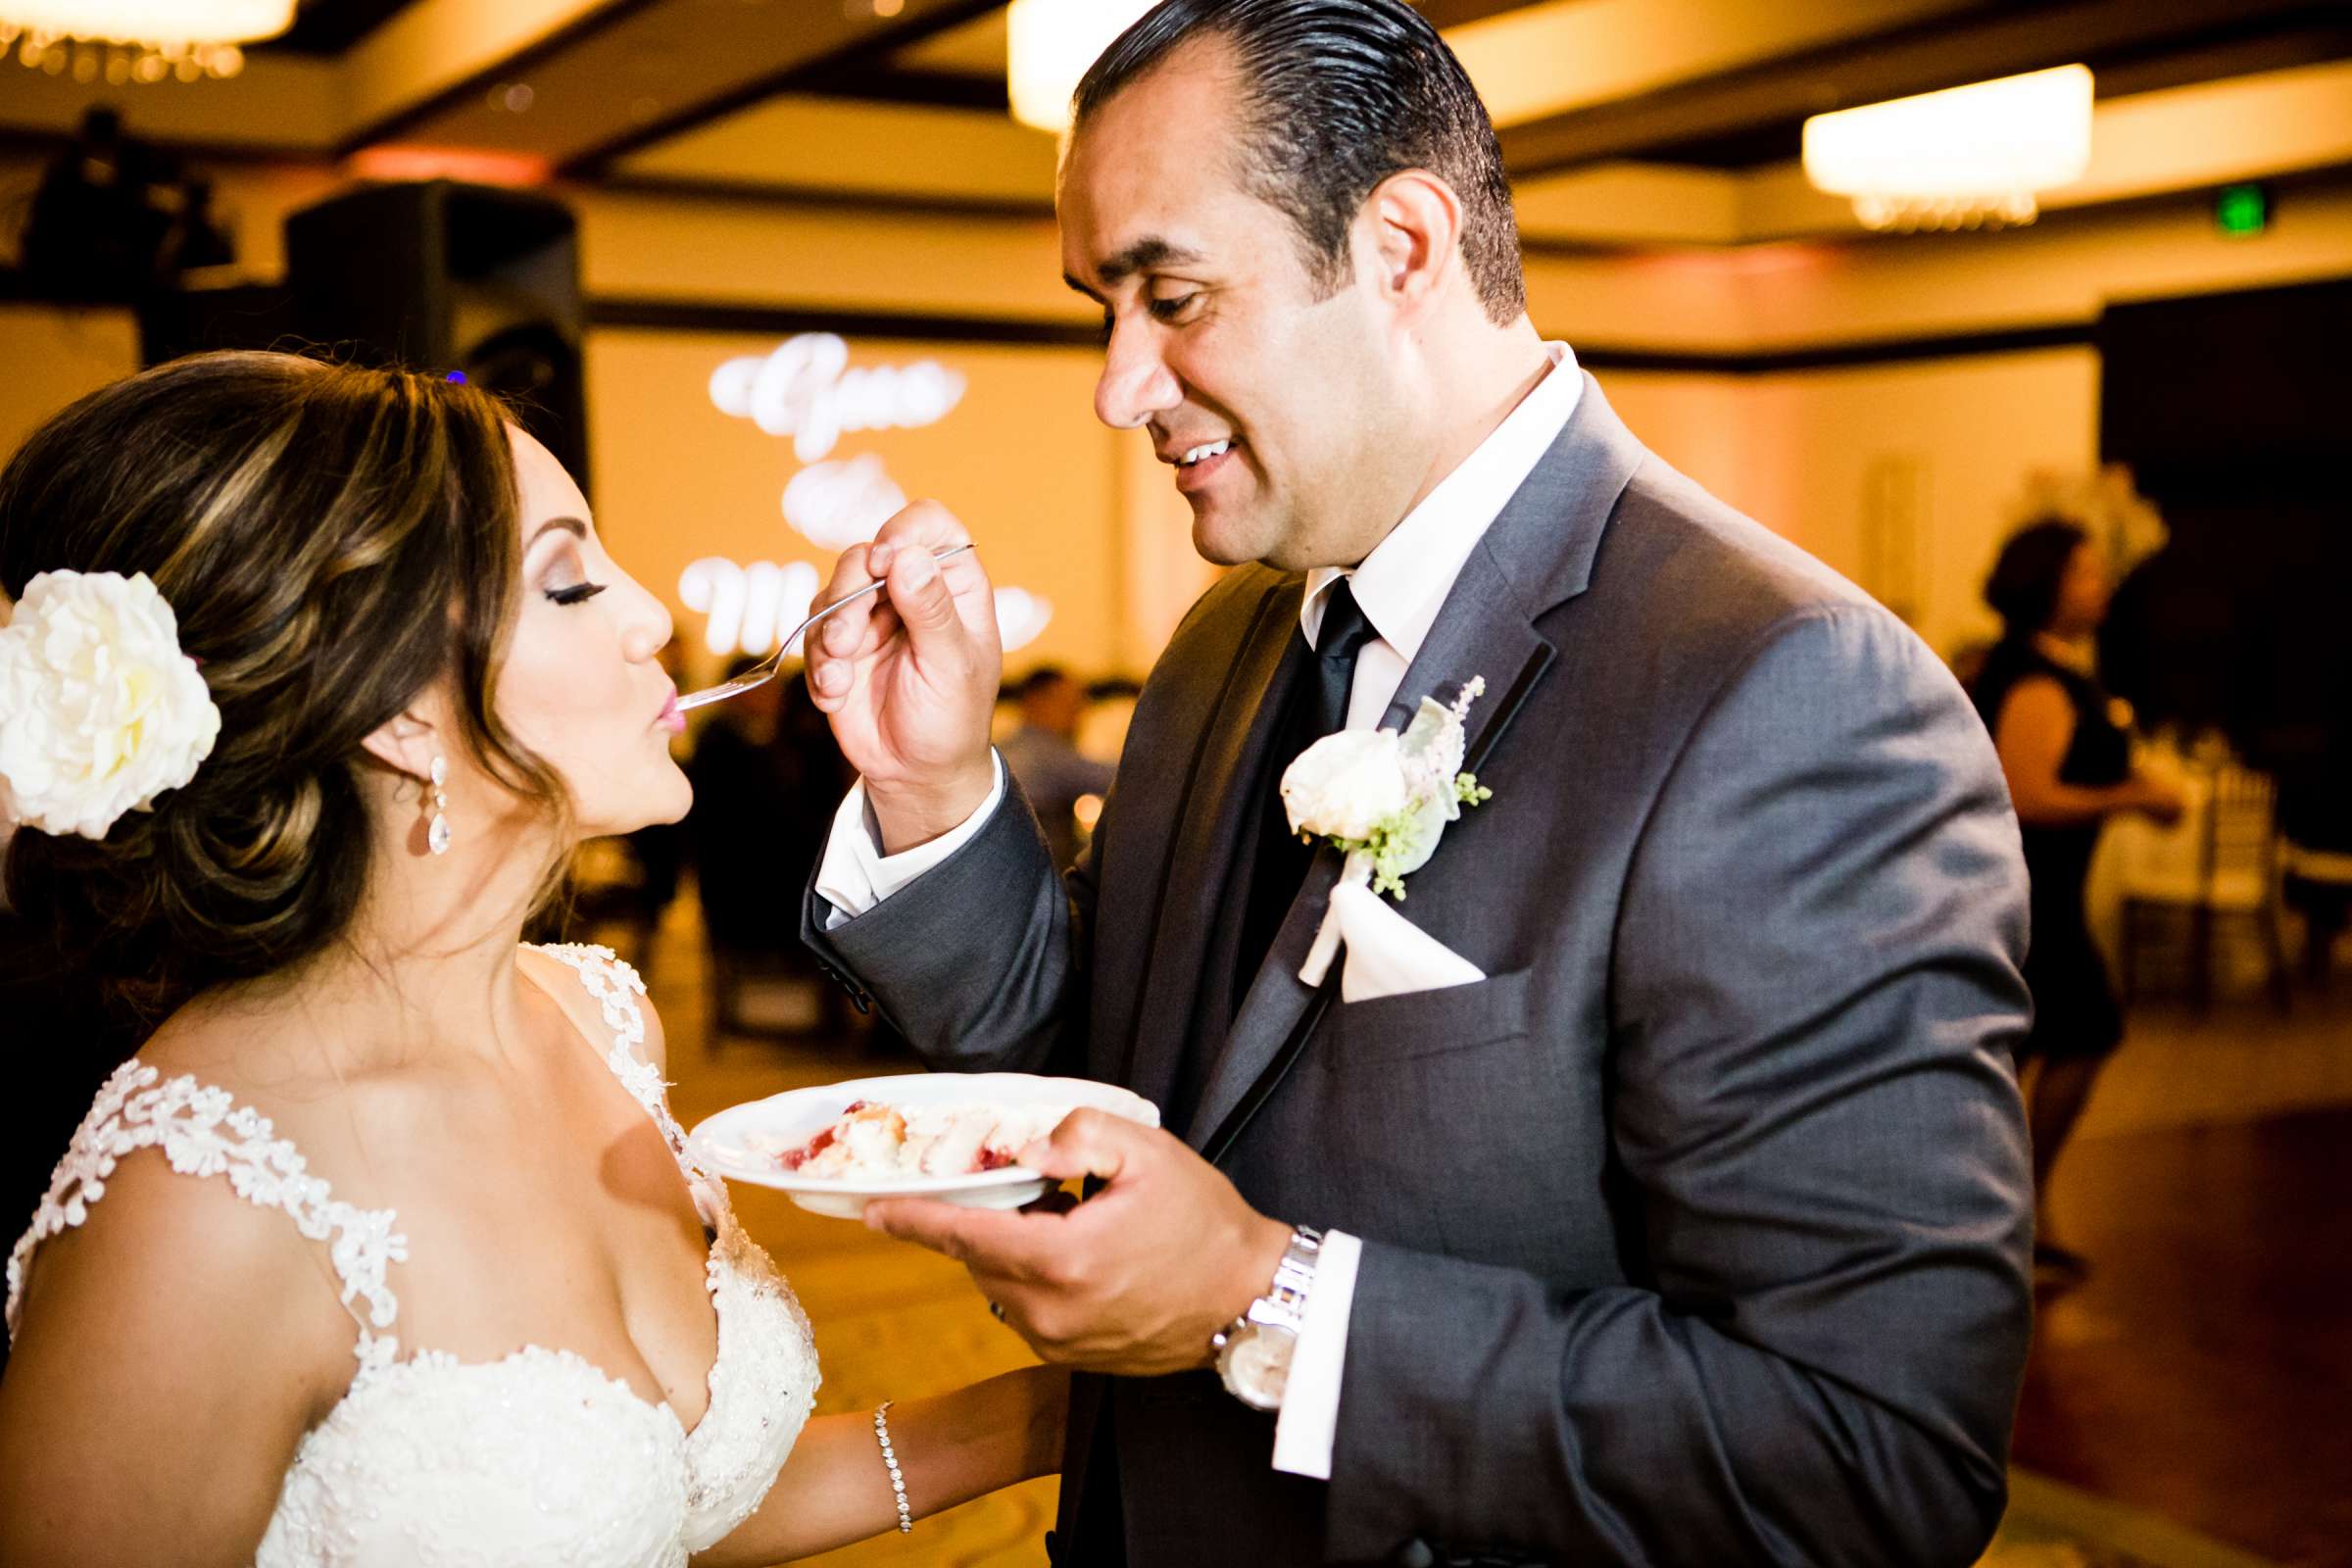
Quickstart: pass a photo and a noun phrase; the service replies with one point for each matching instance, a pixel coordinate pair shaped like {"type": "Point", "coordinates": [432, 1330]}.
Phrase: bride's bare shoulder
{"type": "Point", "coordinates": [237, 1041]}
{"type": "Point", "coordinates": [170, 1338]}
{"type": "Point", "coordinates": [586, 1009]}
{"type": "Point", "coordinates": [166, 1206]}
{"type": "Point", "coordinates": [163, 1254]}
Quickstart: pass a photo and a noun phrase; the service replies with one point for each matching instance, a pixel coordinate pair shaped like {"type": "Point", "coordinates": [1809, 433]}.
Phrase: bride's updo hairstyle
{"type": "Point", "coordinates": [333, 540]}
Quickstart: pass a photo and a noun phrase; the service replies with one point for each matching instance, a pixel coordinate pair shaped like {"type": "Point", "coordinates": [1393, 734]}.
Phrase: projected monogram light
{"type": "Point", "coordinates": [749, 607]}
{"type": "Point", "coordinates": [843, 502]}
{"type": "Point", "coordinates": [806, 390]}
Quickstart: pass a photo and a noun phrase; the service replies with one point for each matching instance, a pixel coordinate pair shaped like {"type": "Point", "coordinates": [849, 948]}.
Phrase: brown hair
{"type": "Point", "coordinates": [1337, 96]}
{"type": "Point", "coordinates": [333, 540]}
{"type": "Point", "coordinates": [2026, 580]}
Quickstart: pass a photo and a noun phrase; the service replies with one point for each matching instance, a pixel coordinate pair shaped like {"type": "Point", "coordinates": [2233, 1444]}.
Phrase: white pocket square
{"type": "Point", "coordinates": [1388, 956]}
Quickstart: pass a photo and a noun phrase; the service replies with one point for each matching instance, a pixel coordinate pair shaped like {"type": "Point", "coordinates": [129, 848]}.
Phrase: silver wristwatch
{"type": "Point", "coordinates": [1254, 1352]}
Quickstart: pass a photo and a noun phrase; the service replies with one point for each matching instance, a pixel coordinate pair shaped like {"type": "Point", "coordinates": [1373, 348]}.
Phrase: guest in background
{"type": "Point", "coordinates": [766, 779]}
{"type": "Point", "coordinates": [1042, 755]}
{"type": "Point", "coordinates": [2066, 749]}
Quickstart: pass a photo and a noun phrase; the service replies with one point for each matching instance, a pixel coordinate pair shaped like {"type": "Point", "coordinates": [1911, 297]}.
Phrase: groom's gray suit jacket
{"type": "Point", "coordinates": [1697, 1234]}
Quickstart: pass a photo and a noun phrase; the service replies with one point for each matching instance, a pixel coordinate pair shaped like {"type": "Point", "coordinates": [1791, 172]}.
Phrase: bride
{"type": "Point", "coordinates": [385, 1248]}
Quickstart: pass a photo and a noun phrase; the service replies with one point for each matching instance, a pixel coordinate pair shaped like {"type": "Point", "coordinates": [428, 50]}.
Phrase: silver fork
{"type": "Point", "coordinates": [751, 678]}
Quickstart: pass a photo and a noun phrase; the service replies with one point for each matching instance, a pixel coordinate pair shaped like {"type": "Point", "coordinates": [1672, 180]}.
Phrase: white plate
{"type": "Point", "coordinates": [741, 1142]}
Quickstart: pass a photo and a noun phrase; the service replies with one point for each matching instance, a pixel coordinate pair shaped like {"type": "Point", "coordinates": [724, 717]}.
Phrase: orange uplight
{"type": "Point", "coordinates": [469, 165]}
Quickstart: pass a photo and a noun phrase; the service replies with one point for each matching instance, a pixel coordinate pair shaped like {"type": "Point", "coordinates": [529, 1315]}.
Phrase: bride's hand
{"type": "Point", "coordinates": [908, 676]}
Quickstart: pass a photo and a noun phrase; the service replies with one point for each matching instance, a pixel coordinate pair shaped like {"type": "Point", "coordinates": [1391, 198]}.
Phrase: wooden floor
{"type": "Point", "coordinates": [2204, 1370]}
{"type": "Point", "coordinates": [2203, 1374]}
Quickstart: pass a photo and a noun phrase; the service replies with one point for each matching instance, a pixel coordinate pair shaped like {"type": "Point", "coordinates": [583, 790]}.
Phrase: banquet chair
{"type": "Point", "coordinates": [2235, 877]}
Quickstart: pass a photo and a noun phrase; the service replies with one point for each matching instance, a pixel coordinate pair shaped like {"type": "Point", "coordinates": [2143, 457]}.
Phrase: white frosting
{"type": "Point", "coordinates": [876, 1142]}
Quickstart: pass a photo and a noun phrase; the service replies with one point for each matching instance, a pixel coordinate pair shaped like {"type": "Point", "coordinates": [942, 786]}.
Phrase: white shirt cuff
{"type": "Point", "coordinates": [856, 875]}
{"type": "Point", "coordinates": [1309, 1421]}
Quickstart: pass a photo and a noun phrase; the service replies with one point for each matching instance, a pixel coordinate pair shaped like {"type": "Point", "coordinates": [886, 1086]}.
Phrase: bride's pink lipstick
{"type": "Point", "coordinates": [669, 718]}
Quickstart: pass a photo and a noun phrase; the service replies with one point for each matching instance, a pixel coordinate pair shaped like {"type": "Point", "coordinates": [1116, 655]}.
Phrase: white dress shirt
{"type": "Point", "coordinates": [1400, 587]}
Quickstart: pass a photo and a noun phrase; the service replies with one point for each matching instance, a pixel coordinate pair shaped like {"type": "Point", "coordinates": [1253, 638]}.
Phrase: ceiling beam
{"type": "Point", "coordinates": [430, 57]}
{"type": "Point", "coordinates": [940, 90]}
{"type": "Point", "coordinates": [1941, 52]}
{"type": "Point", "coordinates": [841, 51]}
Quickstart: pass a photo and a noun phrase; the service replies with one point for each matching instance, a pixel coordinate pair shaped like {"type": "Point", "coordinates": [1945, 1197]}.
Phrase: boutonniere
{"type": "Point", "coordinates": [1381, 798]}
{"type": "Point", "coordinates": [1384, 800]}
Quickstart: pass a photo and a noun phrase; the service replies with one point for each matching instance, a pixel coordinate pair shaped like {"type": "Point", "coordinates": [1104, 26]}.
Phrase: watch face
{"type": "Point", "coordinates": [1256, 1364]}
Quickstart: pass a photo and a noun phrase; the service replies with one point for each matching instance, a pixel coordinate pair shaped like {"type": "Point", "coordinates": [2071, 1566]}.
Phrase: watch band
{"type": "Point", "coordinates": [1280, 1312]}
{"type": "Point", "coordinates": [1285, 1301]}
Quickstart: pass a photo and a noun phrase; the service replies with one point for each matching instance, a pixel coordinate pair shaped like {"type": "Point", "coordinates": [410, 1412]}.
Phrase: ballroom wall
{"type": "Point", "coordinates": [1880, 402]}
{"type": "Point", "coordinates": [1020, 459]}
{"type": "Point", "coordinates": [1903, 477]}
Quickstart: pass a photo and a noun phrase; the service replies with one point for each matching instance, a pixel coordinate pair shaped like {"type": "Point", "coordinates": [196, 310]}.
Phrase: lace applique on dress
{"type": "Point", "coordinates": [204, 1132]}
{"type": "Point", "coordinates": [765, 1340]}
{"type": "Point", "coordinates": [616, 986]}
{"type": "Point", "coordinates": [538, 1457]}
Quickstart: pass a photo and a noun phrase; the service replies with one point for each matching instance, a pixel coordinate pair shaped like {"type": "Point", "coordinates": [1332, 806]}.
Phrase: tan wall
{"type": "Point", "coordinates": [2062, 270]}
{"type": "Point", "coordinates": [1902, 477]}
{"type": "Point", "coordinates": [1906, 478]}
{"type": "Point", "coordinates": [1020, 459]}
{"type": "Point", "coordinates": [50, 356]}
{"type": "Point", "coordinates": [1701, 301]}
{"type": "Point", "coordinates": [1048, 493]}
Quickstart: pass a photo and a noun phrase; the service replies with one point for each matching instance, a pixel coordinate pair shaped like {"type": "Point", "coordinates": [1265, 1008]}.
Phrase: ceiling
{"type": "Point", "coordinates": [1623, 122]}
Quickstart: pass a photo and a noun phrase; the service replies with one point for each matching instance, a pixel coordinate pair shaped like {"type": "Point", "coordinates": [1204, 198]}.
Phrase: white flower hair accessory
{"type": "Point", "coordinates": [100, 711]}
{"type": "Point", "coordinates": [1384, 800]}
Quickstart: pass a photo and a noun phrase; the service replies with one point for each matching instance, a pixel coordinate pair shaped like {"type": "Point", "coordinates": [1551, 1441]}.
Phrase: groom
{"type": "Point", "coordinates": [1694, 1232]}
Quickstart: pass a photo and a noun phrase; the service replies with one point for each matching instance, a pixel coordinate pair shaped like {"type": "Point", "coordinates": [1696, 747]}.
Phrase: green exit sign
{"type": "Point", "coordinates": [2241, 210]}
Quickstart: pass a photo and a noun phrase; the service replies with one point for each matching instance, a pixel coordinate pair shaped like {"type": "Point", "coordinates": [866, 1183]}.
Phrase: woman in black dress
{"type": "Point", "coordinates": [2066, 749]}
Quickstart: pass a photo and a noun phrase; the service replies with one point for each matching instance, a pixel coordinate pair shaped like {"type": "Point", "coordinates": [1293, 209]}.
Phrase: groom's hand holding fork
{"type": "Point", "coordinates": [1139, 1278]}
{"type": "Point", "coordinates": [908, 676]}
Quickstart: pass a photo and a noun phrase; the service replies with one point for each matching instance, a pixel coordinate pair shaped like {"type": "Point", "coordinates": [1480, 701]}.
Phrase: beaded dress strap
{"type": "Point", "coordinates": [616, 986]}
{"type": "Point", "coordinates": [203, 1132]}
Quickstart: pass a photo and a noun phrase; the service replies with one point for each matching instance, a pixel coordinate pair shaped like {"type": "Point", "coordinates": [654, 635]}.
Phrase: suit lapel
{"type": "Point", "coordinates": [1537, 555]}
{"type": "Point", "coordinates": [1504, 648]}
{"type": "Point", "coordinates": [1217, 821]}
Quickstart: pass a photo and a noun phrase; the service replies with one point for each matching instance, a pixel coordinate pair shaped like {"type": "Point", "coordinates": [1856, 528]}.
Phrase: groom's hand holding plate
{"type": "Point", "coordinates": [949, 1135]}
{"type": "Point", "coordinates": [1139, 1278]}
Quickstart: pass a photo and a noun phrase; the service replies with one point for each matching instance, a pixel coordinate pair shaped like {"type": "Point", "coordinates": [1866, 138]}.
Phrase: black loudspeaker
{"type": "Point", "coordinates": [460, 279]}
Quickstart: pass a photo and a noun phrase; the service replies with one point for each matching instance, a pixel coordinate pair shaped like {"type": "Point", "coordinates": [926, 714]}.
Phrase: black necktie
{"type": "Point", "coordinates": [1318, 707]}
{"type": "Point", "coordinates": [1342, 636]}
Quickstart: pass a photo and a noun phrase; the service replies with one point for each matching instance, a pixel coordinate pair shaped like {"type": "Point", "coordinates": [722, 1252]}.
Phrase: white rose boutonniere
{"type": "Point", "coordinates": [100, 711]}
{"type": "Point", "coordinates": [1383, 798]}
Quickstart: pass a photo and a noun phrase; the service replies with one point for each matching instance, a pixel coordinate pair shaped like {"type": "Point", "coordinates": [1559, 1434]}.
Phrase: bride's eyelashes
{"type": "Point", "coordinates": [577, 593]}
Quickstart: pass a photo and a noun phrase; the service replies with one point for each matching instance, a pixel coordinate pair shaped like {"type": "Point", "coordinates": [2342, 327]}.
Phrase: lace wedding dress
{"type": "Point", "coordinates": [536, 1458]}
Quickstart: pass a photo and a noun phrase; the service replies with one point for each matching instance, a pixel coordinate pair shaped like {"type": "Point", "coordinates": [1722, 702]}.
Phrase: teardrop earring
{"type": "Point", "coordinates": [436, 832]}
